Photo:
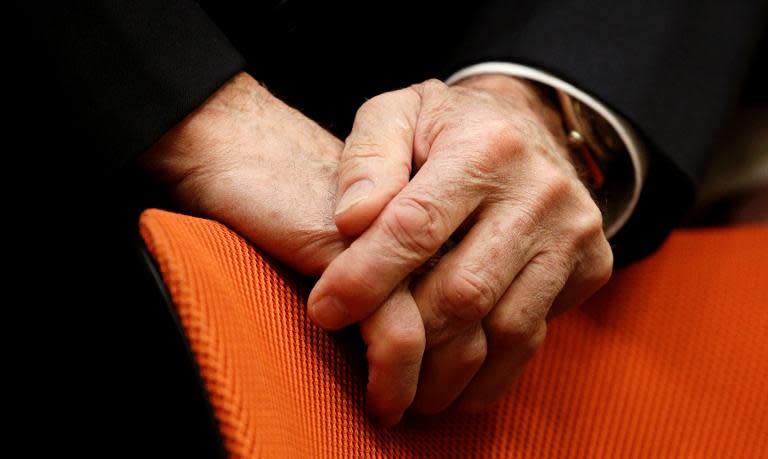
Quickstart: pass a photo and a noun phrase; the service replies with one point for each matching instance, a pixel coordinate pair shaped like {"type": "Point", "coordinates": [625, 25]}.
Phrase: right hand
{"type": "Point", "coordinates": [493, 172]}
{"type": "Point", "coordinates": [246, 159]}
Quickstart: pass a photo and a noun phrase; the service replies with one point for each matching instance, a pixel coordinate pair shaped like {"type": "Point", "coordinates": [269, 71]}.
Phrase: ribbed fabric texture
{"type": "Point", "coordinates": [669, 360]}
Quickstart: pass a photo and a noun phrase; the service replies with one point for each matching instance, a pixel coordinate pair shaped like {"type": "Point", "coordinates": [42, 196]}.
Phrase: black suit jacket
{"type": "Point", "coordinates": [128, 71]}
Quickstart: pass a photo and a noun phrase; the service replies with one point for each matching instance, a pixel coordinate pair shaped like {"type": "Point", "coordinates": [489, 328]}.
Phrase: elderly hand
{"type": "Point", "coordinates": [490, 166]}
{"type": "Point", "coordinates": [248, 160]}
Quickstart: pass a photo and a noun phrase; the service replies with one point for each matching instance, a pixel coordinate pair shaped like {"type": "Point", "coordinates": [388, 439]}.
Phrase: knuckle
{"type": "Point", "coordinates": [592, 221]}
{"type": "Point", "coordinates": [400, 345]}
{"type": "Point", "coordinates": [604, 274]}
{"type": "Point", "coordinates": [473, 354]}
{"type": "Point", "coordinates": [467, 296]}
{"type": "Point", "coordinates": [319, 246]}
{"type": "Point", "coordinates": [431, 86]}
{"type": "Point", "coordinates": [355, 164]}
{"type": "Point", "coordinates": [587, 227]}
{"type": "Point", "coordinates": [556, 188]}
{"type": "Point", "coordinates": [497, 142]}
{"type": "Point", "coordinates": [416, 225]}
{"type": "Point", "coordinates": [607, 256]}
{"type": "Point", "coordinates": [502, 136]}
{"type": "Point", "coordinates": [357, 148]}
{"type": "Point", "coordinates": [362, 159]}
{"type": "Point", "coordinates": [596, 216]}
{"type": "Point", "coordinates": [374, 104]}
{"type": "Point", "coordinates": [519, 333]}
{"type": "Point", "coordinates": [549, 193]}
{"type": "Point", "coordinates": [500, 141]}
{"type": "Point", "coordinates": [601, 267]}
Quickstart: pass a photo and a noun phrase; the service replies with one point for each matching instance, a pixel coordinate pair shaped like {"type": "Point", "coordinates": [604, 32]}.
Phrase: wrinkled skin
{"type": "Point", "coordinates": [490, 170]}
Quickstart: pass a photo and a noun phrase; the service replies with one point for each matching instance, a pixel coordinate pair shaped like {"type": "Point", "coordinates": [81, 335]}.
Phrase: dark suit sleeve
{"type": "Point", "coordinates": [673, 69]}
{"type": "Point", "coordinates": [127, 71]}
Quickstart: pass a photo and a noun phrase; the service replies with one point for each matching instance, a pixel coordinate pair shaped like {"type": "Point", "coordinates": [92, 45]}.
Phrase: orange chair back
{"type": "Point", "coordinates": [670, 359]}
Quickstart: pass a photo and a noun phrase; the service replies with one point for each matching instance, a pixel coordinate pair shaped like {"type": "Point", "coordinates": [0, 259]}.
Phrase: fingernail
{"type": "Point", "coordinates": [356, 193]}
{"type": "Point", "coordinates": [329, 313]}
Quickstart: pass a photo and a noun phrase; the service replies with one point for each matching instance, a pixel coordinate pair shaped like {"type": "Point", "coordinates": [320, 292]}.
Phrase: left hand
{"type": "Point", "coordinates": [250, 161]}
{"type": "Point", "coordinates": [491, 162]}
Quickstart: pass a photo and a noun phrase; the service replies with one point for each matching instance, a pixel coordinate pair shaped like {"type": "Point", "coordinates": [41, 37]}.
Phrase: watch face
{"type": "Point", "coordinates": [606, 163]}
{"type": "Point", "coordinates": [597, 131]}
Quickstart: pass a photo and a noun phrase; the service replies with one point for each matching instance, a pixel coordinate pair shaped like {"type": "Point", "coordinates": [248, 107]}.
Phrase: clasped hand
{"type": "Point", "coordinates": [480, 167]}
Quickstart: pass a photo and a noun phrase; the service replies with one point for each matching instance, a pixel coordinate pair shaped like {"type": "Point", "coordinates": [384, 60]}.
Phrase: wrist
{"type": "Point", "coordinates": [193, 145]}
{"type": "Point", "coordinates": [240, 94]}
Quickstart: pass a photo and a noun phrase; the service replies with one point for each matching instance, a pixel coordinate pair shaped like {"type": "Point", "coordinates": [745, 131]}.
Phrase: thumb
{"type": "Point", "coordinates": [376, 161]}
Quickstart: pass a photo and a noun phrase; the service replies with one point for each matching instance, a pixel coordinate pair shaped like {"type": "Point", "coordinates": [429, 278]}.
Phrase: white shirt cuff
{"type": "Point", "coordinates": [637, 151]}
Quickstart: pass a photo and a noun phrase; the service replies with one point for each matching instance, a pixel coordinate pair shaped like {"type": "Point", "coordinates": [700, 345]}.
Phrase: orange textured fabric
{"type": "Point", "coordinates": [670, 359]}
